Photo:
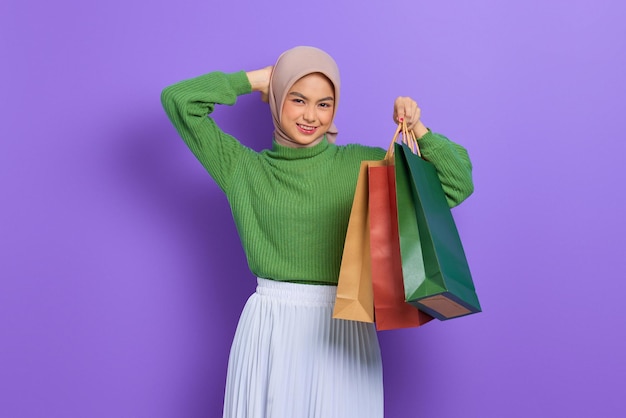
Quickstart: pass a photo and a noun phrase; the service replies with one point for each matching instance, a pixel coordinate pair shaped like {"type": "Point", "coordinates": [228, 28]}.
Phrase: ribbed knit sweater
{"type": "Point", "coordinates": [290, 205]}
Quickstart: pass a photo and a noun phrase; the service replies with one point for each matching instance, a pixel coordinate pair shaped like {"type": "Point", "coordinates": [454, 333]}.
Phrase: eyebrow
{"type": "Point", "coordinates": [302, 96]}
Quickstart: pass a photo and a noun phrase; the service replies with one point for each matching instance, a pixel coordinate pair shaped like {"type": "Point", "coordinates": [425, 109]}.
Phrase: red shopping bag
{"type": "Point", "coordinates": [391, 311]}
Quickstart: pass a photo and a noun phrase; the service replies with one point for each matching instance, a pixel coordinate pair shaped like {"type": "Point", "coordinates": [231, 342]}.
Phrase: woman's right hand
{"type": "Point", "coordinates": [260, 81]}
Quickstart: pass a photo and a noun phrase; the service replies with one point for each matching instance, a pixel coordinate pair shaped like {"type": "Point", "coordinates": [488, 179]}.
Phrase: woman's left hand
{"type": "Point", "coordinates": [407, 109]}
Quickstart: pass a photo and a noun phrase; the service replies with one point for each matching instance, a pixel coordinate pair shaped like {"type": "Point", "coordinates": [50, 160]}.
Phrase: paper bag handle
{"type": "Point", "coordinates": [408, 138]}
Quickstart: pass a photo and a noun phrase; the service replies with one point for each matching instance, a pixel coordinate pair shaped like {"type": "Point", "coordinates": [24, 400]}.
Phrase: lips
{"type": "Point", "coordinates": [306, 129]}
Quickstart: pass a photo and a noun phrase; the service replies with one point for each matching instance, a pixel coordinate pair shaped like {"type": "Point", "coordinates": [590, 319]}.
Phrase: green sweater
{"type": "Point", "coordinates": [290, 205]}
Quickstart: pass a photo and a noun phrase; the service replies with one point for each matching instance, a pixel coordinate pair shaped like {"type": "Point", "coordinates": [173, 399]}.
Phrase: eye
{"type": "Point", "coordinates": [325, 105]}
{"type": "Point", "coordinates": [299, 101]}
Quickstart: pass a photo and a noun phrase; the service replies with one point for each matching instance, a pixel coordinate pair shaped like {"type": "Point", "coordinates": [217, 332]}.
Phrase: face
{"type": "Point", "coordinates": [308, 109]}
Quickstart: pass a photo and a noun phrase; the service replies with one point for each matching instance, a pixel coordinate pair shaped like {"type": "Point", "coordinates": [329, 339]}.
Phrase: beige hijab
{"type": "Point", "coordinates": [291, 66]}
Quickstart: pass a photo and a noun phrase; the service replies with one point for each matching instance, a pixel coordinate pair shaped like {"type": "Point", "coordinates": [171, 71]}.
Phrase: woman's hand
{"type": "Point", "coordinates": [407, 109]}
{"type": "Point", "coordinates": [260, 81]}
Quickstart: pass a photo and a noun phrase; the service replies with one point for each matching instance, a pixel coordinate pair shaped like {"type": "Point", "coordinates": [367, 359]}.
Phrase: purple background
{"type": "Point", "coordinates": [122, 276]}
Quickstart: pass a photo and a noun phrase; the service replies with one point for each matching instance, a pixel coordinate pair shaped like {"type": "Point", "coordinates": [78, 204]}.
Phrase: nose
{"type": "Point", "coordinates": [309, 114]}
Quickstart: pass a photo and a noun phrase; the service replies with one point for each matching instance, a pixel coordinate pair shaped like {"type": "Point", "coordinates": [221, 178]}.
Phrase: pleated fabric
{"type": "Point", "coordinates": [291, 359]}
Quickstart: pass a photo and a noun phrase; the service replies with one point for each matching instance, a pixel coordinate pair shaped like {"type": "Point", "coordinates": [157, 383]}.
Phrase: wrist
{"type": "Point", "coordinates": [420, 130]}
{"type": "Point", "coordinates": [258, 79]}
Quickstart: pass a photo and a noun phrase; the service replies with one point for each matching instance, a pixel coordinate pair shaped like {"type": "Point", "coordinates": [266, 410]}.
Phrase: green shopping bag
{"type": "Point", "coordinates": [413, 272]}
{"type": "Point", "coordinates": [436, 274]}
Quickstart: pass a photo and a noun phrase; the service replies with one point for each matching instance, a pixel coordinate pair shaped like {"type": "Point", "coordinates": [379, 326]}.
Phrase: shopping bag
{"type": "Point", "coordinates": [413, 272]}
{"type": "Point", "coordinates": [391, 311]}
{"type": "Point", "coordinates": [440, 283]}
{"type": "Point", "coordinates": [354, 299]}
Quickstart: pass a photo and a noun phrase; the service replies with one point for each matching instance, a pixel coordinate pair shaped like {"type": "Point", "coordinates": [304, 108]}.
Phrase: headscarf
{"type": "Point", "coordinates": [291, 66]}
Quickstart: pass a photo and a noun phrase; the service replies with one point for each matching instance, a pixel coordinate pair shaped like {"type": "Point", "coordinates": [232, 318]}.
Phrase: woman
{"type": "Point", "coordinates": [291, 205]}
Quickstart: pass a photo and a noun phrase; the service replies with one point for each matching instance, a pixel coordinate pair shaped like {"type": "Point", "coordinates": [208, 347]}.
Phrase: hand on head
{"type": "Point", "coordinates": [260, 81]}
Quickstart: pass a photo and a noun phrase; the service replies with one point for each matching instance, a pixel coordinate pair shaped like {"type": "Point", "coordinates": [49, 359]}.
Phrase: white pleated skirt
{"type": "Point", "coordinates": [291, 359]}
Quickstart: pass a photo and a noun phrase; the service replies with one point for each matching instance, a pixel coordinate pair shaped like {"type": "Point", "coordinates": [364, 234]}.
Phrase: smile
{"type": "Point", "coordinates": [306, 129]}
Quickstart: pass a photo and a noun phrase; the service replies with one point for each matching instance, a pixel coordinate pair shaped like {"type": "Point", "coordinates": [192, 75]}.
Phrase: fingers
{"type": "Point", "coordinates": [264, 80]}
{"type": "Point", "coordinates": [407, 109]}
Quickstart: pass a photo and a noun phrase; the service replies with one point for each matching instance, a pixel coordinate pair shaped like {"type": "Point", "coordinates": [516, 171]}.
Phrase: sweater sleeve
{"type": "Point", "coordinates": [452, 163]}
{"type": "Point", "coordinates": [189, 102]}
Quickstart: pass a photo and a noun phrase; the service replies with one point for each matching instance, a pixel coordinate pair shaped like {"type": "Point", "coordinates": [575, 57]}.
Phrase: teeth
{"type": "Point", "coordinates": [306, 127]}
